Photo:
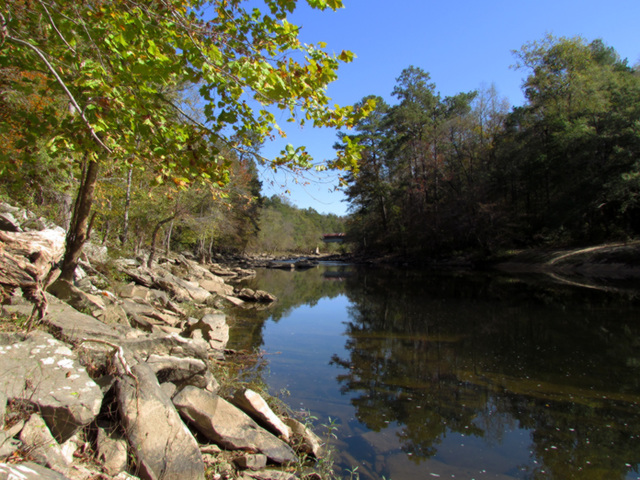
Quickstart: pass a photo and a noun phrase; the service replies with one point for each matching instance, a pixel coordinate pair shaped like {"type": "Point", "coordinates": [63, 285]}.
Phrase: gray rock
{"type": "Point", "coordinates": [28, 471]}
{"type": "Point", "coordinates": [251, 461]}
{"type": "Point", "coordinates": [112, 450]}
{"type": "Point", "coordinates": [166, 344]}
{"type": "Point", "coordinates": [8, 223]}
{"type": "Point", "coordinates": [44, 372]}
{"type": "Point", "coordinates": [256, 296]}
{"type": "Point", "coordinates": [8, 444]}
{"type": "Point", "coordinates": [270, 475]}
{"type": "Point", "coordinates": [309, 442]}
{"type": "Point", "coordinates": [256, 407]}
{"type": "Point", "coordinates": [181, 290]}
{"type": "Point", "coordinates": [42, 447]}
{"type": "Point", "coordinates": [132, 290]}
{"type": "Point", "coordinates": [161, 443]}
{"type": "Point", "coordinates": [71, 324]}
{"type": "Point", "coordinates": [176, 369]}
{"type": "Point", "coordinates": [78, 299]}
{"type": "Point", "coordinates": [213, 329]}
{"type": "Point", "coordinates": [216, 286]}
{"type": "Point", "coordinates": [228, 426]}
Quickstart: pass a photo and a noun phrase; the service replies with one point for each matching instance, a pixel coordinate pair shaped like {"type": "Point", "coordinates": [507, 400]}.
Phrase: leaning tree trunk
{"type": "Point", "coordinates": [79, 227]}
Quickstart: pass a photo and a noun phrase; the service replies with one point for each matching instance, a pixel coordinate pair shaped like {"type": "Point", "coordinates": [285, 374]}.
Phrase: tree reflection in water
{"type": "Point", "coordinates": [437, 357]}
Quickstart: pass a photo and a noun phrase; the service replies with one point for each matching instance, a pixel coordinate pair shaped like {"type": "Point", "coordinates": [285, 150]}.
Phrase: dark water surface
{"type": "Point", "coordinates": [457, 375]}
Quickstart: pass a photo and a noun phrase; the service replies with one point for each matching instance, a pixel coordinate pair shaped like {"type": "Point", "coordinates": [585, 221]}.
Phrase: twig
{"type": "Point", "coordinates": [62, 84]}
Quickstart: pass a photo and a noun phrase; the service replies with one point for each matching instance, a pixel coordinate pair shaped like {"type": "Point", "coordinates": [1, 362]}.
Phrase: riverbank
{"type": "Point", "coordinates": [126, 376]}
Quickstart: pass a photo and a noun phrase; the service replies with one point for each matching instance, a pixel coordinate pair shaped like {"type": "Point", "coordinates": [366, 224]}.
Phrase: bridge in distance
{"type": "Point", "coordinates": [333, 237]}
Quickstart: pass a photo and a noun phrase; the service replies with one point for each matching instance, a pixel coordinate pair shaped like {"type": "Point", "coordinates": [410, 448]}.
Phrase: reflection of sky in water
{"type": "Point", "coordinates": [299, 349]}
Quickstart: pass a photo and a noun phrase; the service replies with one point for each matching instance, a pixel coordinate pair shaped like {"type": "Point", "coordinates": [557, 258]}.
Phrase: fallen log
{"type": "Point", "coordinates": [27, 261]}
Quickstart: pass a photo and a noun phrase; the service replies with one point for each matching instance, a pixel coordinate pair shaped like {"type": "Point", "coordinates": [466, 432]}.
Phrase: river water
{"type": "Point", "coordinates": [456, 374]}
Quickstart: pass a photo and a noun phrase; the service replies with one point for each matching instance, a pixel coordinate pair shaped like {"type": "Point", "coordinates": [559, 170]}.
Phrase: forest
{"type": "Point", "coordinates": [468, 173]}
{"type": "Point", "coordinates": [140, 125]}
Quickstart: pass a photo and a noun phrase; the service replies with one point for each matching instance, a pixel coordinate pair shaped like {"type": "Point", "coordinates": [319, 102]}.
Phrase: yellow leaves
{"type": "Point", "coordinates": [346, 56]}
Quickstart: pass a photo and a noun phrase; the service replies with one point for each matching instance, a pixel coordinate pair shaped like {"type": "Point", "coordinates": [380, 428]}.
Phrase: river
{"type": "Point", "coordinates": [455, 374]}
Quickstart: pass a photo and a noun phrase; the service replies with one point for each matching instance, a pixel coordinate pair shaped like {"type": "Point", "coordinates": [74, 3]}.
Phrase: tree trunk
{"type": "Point", "coordinates": [127, 207]}
{"type": "Point", "coordinates": [154, 238]}
{"type": "Point", "coordinates": [78, 229]}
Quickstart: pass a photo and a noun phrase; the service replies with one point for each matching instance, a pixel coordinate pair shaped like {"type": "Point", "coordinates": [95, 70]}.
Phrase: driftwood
{"type": "Point", "coordinates": [26, 262]}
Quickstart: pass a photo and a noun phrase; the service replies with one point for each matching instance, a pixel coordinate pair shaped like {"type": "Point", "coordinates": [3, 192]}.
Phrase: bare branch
{"type": "Point", "coordinates": [53, 24]}
{"type": "Point", "coordinates": [64, 87]}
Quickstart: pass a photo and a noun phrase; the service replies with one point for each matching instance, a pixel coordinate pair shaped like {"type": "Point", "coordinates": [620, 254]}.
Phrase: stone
{"type": "Point", "coordinates": [112, 450]}
{"type": "Point", "coordinates": [42, 447]}
{"type": "Point", "coordinates": [8, 223]}
{"type": "Point", "coordinates": [72, 325]}
{"type": "Point", "coordinates": [310, 443]}
{"type": "Point", "coordinates": [216, 286]}
{"type": "Point", "coordinates": [234, 300]}
{"type": "Point", "coordinates": [28, 471]}
{"type": "Point", "coordinates": [270, 475]}
{"type": "Point", "coordinates": [176, 369]}
{"type": "Point", "coordinates": [166, 344]}
{"type": "Point", "coordinates": [251, 461]}
{"type": "Point", "coordinates": [44, 372]}
{"type": "Point", "coordinates": [162, 445]}
{"type": "Point", "coordinates": [213, 329]}
{"type": "Point", "coordinates": [131, 290]}
{"type": "Point", "coordinates": [78, 299]}
{"type": "Point", "coordinates": [255, 296]}
{"type": "Point", "coordinates": [228, 426]}
{"type": "Point", "coordinates": [257, 408]}
{"type": "Point", "coordinates": [8, 444]}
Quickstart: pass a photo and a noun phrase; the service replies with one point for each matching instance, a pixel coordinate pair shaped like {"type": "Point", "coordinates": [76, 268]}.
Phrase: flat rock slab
{"type": "Point", "coordinates": [43, 371]}
{"type": "Point", "coordinates": [228, 426]}
{"type": "Point", "coordinates": [163, 446]}
{"type": "Point", "coordinates": [28, 471]}
{"type": "Point", "coordinates": [72, 324]}
{"type": "Point", "coordinates": [253, 404]}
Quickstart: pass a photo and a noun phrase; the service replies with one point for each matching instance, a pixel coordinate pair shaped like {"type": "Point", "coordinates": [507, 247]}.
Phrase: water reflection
{"type": "Point", "coordinates": [475, 376]}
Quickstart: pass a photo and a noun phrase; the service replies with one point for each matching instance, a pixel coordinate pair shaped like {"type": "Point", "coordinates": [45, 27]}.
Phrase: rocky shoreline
{"type": "Point", "coordinates": [118, 382]}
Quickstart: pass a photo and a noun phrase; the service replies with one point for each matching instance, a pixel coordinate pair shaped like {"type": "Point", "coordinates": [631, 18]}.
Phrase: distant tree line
{"type": "Point", "coordinates": [468, 173]}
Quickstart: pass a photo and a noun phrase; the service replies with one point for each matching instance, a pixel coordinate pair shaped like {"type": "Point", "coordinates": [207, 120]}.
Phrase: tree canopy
{"type": "Point", "coordinates": [98, 84]}
{"type": "Point", "coordinates": [463, 173]}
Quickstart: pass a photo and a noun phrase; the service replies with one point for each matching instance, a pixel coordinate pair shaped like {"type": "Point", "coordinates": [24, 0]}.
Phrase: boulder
{"type": "Point", "coordinates": [228, 426]}
{"type": "Point", "coordinates": [78, 299]}
{"type": "Point", "coordinates": [166, 344]}
{"type": "Point", "coordinates": [8, 223]}
{"type": "Point", "coordinates": [112, 450]}
{"type": "Point", "coordinates": [256, 407]}
{"type": "Point", "coordinates": [178, 370]}
{"type": "Point", "coordinates": [270, 475]}
{"type": "Point", "coordinates": [310, 443]}
{"type": "Point", "coordinates": [44, 372]}
{"type": "Point", "coordinates": [216, 286]}
{"type": "Point", "coordinates": [256, 461]}
{"type": "Point", "coordinates": [132, 290]}
{"type": "Point", "coordinates": [212, 328]}
{"type": "Point", "coordinates": [72, 325]}
{"type": "Point", "coordinates": [162, 445]}
{"type": "Point", "coordinates": [8, 444]}
{"type": "Point", "coordinates": [28, 471]}
{"type": "Point", "coordinates": [41, 445]}
{"type": "Point", "coordinates": [255, 296]}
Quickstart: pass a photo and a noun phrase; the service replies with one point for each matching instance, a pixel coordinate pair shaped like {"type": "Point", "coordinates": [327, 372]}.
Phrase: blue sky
{"type": "Point", "coordinates": [463, 44]}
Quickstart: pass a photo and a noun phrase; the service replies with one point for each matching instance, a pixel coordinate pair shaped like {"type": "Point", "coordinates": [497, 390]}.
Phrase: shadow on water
{"type": "Point", "coordinates": [458, 375]}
